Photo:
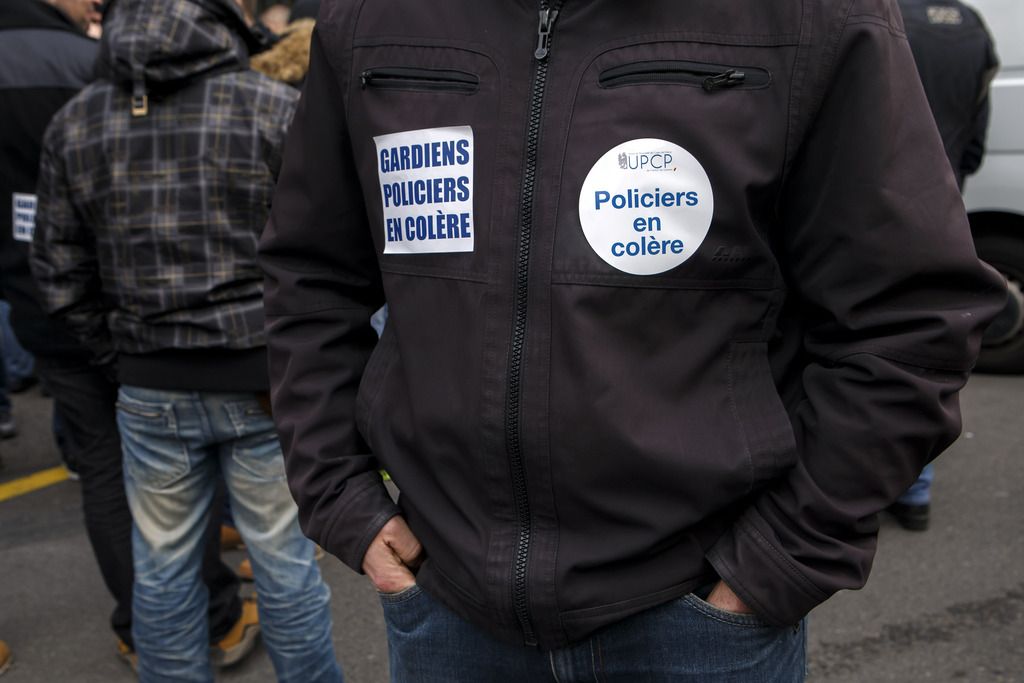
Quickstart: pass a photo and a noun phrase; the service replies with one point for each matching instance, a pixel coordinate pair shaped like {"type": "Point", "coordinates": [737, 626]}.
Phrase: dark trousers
{"type": "Point", "coordinates": [85, 399]}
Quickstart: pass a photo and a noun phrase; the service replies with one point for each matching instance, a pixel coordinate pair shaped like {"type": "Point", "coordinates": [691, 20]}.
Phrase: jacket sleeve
{"type": "Point", "coordinates": [322, 283]}
{"type": "Point", "coordinates": [875, 247]}
{"type": "Point", "coordinates": [63, 257]}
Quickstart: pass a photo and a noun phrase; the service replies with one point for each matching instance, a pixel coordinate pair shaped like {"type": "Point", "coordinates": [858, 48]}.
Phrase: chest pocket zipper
{"type": "Point", "coordinates": [710, 77]}
{"type": "Point", "coordinates": [415, 78]}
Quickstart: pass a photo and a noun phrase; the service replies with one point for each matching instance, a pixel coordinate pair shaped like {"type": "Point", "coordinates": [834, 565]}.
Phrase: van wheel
{"type": "Point", "coordinates": [1002, 347]}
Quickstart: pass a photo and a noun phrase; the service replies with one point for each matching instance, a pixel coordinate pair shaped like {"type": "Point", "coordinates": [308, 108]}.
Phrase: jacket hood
{"type": "Point", "coordinates": [166, 43]}
{"type": "Point", "coordinates": [288, 59]}
{"type": "Point", "coordinates": [33, 14]}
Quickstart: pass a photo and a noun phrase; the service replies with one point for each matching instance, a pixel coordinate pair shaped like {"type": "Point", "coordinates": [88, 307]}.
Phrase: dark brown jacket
{"type": "Point", "coordinates": [575, 443]}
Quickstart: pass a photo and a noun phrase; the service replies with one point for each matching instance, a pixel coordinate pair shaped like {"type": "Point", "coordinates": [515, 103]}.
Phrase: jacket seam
{"type": "Point", "coordinates": [456, 587]}
{"type": "Point", "coordinates": [425, 271]}
{"type": "Point", "coordinates": [861, 19]}
{"type": "Point", "coordinates": [384, 373]}
{"type": "Point", "coordinates": [796, 93]}
{"type": "Point", "coordinates": [731, 381]}
{"type": "Point", "coordinates": [886, 353]}
{"type": "Point", "coordinates": [781, 559]}
{"type": "Point", "coordinates": [692, 286]}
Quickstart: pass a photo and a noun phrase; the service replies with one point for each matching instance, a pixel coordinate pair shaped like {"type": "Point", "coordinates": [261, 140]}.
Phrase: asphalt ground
{"type": "Point", "coordinates": [944, 605]}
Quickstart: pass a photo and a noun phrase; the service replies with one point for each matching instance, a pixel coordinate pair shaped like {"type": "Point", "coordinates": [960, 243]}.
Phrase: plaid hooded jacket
{"type": "Point", "coordinates": [155, 183]}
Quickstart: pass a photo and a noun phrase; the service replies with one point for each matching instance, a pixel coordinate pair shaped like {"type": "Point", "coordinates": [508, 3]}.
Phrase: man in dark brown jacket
{"type": "Point", "coordinates": [681, 296]}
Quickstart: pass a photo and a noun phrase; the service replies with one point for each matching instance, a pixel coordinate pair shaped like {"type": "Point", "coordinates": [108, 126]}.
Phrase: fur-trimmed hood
{"type": "Point", "coordinates": [288, 60]}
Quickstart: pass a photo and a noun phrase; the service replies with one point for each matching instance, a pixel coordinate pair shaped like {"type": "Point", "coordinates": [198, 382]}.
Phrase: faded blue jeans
{"type": "Point", "coordinates": [174, 443]}
{"type": "Point", "coordinates": [683, 640]}
{"type": "Point", "coordinates": [920, 492]}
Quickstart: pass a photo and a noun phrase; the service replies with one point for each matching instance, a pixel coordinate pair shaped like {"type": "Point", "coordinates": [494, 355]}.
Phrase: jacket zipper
{"type": "Point", "coordinates": [513, 418]}
{"type": "Point", "coordinates": [415, 78]}
{"type": "Point", "coordinates": [710, 77]}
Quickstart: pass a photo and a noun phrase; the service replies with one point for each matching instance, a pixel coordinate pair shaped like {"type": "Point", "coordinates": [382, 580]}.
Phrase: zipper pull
{"type": "Point", "coordinates": [364, 78]}
{"type": "Point", "coordinates": [730, 78]}
{"type": "Point", "coordinates": [547, 22]}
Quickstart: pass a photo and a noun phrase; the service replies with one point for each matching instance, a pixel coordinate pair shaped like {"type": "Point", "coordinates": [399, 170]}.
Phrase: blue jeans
{"type": "Point", "coordinates": [683, 640]}
{"type": "Point", "coordinates": [920, 492]}
{"type": "Point", "coordinates": [174, 443]}
{"type": "Point", "coordinates": [18, 363]}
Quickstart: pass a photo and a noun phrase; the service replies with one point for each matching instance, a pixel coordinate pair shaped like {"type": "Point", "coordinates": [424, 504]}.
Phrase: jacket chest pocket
{"type": "Point", "coordinates": [673, 166]}
{"type": "Point", "coordinates": [419, 80]}
{"type": "Point", "coordinates": [423, 121]}
{"type": "Point", "coordinates": [709, 77]}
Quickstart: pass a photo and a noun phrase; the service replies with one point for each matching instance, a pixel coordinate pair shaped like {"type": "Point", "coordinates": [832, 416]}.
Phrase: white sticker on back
{"type": "Point", "coordinates": [646, 206]}
{"type": "Point", "coordinates": [426, 187]}
{"type": "Point", "coordinates": [23, 219]}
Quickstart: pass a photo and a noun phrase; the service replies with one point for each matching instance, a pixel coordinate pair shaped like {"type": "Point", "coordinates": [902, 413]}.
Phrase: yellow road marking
{"type": "Point", "coordinates": [33, 482]}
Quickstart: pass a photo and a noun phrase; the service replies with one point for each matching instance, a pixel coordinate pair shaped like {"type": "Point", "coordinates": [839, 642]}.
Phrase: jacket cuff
{"type": "Point", "coordinates": [358, 523]}
{"type": "Point", "coordinates": [748, 558]}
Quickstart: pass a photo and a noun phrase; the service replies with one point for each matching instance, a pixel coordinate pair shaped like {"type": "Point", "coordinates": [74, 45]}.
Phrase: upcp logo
{"type": "Point", "coordinates": [646, 161]}
{"type": "Point", "coordinates": [642, 222]}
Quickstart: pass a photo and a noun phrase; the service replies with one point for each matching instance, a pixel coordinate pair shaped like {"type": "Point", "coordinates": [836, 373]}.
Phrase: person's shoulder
{"type": "Point", "coordinates": [841, 15]}
{"type": "Point", "coordinates": [972, 15]}
{"type": "Point", "coordinates": [70, 121]}
{"type": "Point", "coordinates": [858, 10]}
{"type": "Point", "coordinates": [93, 97]}
{"type": "Point", "coordinates": [265, 85]}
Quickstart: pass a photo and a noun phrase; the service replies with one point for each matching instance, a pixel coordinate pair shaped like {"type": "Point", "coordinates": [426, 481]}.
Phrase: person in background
{"type": "Point", "coordinates": [85, 15]}
{"type": "Point", "coordinates": [44, 47]}
{"type": "Point", "coordinates": [956, 60]}
{"type": "Point", "coordinates": [287, 60]}
{"type": "Point", "coordinates": [145, 247]}
{"type": "Point", "coordinates": [19, 364]}
{"type": "Point", "coordinates": [275, 18]}
{"type": "Point", "coordinates": [669, 324]}
{"type": "Point", "coordinates": [304, 9]}
{"type": "Point", "coordinates": [8, 425]}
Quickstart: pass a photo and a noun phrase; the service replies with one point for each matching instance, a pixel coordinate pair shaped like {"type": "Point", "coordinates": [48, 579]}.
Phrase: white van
{"type": "Point", "coordinates": [995, 196]}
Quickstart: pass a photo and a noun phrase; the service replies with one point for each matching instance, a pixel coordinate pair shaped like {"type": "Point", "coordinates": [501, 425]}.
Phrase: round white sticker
{"type": "Point", "coordinates": [646, 206]}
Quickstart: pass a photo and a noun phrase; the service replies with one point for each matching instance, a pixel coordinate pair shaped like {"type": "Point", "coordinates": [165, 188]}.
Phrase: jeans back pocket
{"type": "Point", "coordinates": [154, 455]}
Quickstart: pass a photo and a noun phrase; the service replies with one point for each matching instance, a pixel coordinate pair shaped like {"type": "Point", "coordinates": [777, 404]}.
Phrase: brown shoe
{"type": "Point", "coordinates": [240, 640]}
{"type": "Point", "coordinates": [230, 539]}
{"type": "Point", "coordinates": [244, 570]}
{"type": "Point", "coordinates": [5, 657]}
{"type": "Point", "coordinates": [127, 655]}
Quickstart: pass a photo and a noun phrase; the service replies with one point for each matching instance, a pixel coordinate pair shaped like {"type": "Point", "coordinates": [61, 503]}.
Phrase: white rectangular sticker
{"type": "Point", "coordinates": [24, 218]}
{"type": "Point", "coordinates": [426, 188]}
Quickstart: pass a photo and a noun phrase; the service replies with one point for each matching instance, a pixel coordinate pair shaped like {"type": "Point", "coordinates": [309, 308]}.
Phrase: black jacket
{"type": "Point", "coordinates": [675, 290]}
{"type": "Point", "coordinates": [44, 61]}
{"type": "Point", "coordinates": [957, 61]}
{"type": "Point", "coordinates": [154, 185]}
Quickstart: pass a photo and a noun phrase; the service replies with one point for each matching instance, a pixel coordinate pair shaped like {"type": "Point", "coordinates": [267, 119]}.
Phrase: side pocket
{"type": "Point", "coordinates": [153, 455]}
{"type": "Point", "coordinates": [401, 596]}
{"type": "Point", "coordinates": [406, 614]}
{"type": "Point", "coordinates": [732, 618]}
{"type": "Point", "coordinates": [255, 449]}
{"type": "Point", "coordinates": [374, 376]}
{"type": "Point", "coordinates": [760, 415]}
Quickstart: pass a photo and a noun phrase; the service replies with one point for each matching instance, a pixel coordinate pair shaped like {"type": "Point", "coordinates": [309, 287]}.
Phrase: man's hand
{"type": "Point", "coordinates": [723, 598]}
{"type": "Point", "coordinates": [392, 556]}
